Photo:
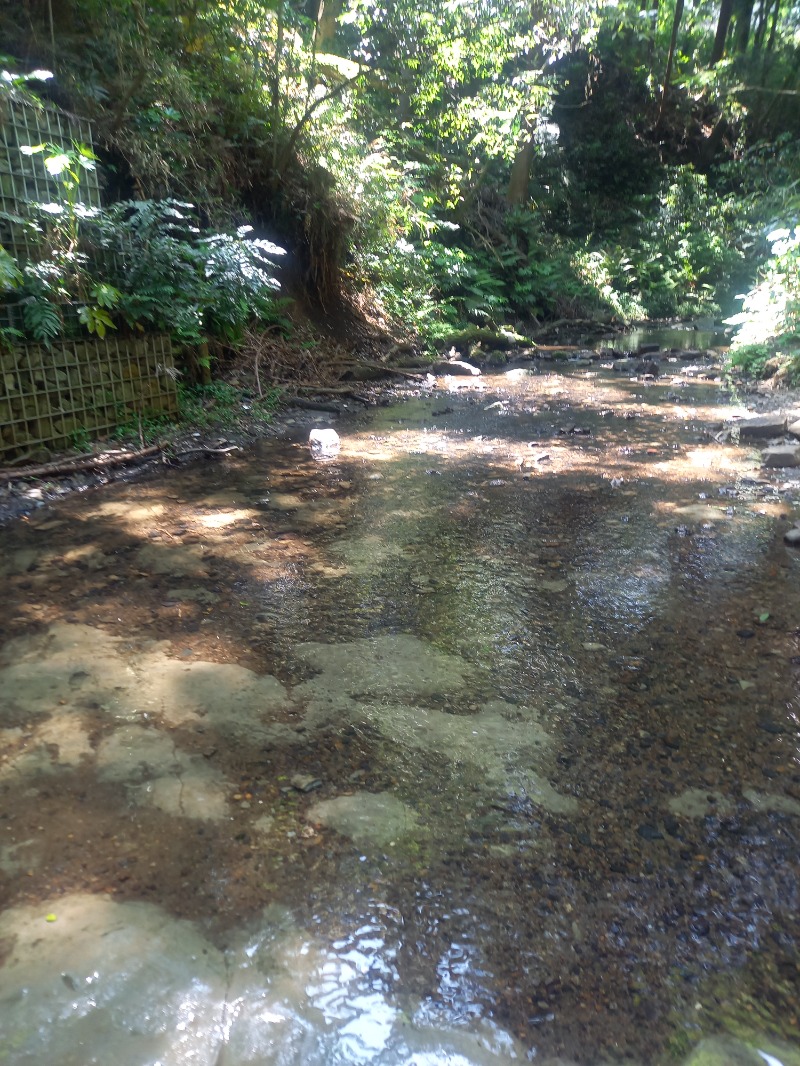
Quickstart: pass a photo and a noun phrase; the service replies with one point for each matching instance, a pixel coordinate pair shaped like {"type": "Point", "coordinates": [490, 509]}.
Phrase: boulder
{"type": "Point", "coordinates": [455, 366]}
{"type": "Point", "coordinates": [763, 427]}
{"type": "Point", "coordinates": [780, 455]}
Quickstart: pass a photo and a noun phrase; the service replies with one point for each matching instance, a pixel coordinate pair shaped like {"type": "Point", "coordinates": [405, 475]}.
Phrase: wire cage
{"type": "Point", "coordinates": [23, 178]}
{"type": "Point", "coordinates": [64, 394]}
{"type": "Point", "coordinates": [60, 397]}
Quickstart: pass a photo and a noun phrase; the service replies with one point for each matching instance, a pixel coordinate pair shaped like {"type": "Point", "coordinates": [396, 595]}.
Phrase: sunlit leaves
{"type": "Point", "coordinates": [10, 274]}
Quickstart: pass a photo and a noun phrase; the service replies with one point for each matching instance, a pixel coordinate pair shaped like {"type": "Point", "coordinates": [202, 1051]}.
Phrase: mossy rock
{"type": "Point", "coordinates": [725, 1051]}
{"type": "Point", "coordinates": [486, 339]}
{"type": "Point", "coordinates": [495, 358]}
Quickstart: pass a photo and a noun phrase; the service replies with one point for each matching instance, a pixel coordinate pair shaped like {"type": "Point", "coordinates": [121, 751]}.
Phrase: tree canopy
{"type": "Point", "coordinates": [497, 163]}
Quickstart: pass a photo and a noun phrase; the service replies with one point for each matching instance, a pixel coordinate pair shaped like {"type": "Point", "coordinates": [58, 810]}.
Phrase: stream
{"type": "Point", "coordinates": [475, 744]}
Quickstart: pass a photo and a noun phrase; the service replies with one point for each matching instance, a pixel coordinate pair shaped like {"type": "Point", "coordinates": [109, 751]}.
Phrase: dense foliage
{"type": "Point", "coordinates": [459, 162]}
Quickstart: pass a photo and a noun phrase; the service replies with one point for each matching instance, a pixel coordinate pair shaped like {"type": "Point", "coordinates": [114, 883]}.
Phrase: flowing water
{"type": "Point", "coordinates": [477, 744]}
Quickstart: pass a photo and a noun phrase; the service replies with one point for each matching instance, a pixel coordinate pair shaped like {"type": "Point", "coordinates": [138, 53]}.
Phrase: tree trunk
{"type": "Point", "coordinates": [773, 28]}
{"type": "Point", "coordinates": [744, 14]}
{"type": "Point", "coordinates": [275, 88]}
{"type": "Point", "coordinates": [761, 24]}
{"type": "Point", "coordinates": [325, 34]}
{"type": "Point", "coordinates": [676, 23]}
{"type": "Point", "coordinates": [517, 192]}
{"type": "Point", "coordinates": [711, 145]}
{"type": "Point", "coordinates": [721, 36]}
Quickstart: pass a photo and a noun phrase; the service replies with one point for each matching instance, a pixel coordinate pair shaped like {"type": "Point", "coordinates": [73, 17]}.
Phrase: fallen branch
{"type": "Point", "coordinates": [70, 466]}
{"type": "Point", "coordinates": [207, 451]}
{"type": "Point", "coordinates": [314, 405]}
{"type": "Point", "coordinates": [333, 390]}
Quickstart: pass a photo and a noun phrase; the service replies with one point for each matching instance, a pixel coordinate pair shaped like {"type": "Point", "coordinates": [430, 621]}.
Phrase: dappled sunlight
{"type": "Point", "coordinates": [225, 518]}
{"type": "Point", "coordinates": [396, 734]}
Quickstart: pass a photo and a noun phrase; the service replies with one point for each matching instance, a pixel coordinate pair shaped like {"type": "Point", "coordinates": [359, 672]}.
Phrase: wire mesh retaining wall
{"type": "Point", "coordinates": [24, 178]}
{"type": "Point", "coordinates": [57, 397]}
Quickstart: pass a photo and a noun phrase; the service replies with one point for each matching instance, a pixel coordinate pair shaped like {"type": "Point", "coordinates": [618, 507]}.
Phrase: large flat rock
{"type": "Point", "coordinates": [120, 983]}
{"type": "Point", "coordinates": [366, 817]}
{"type": "Point", "coordinates": [763, 427]}
{"type": "Point", "coordinates": [780, 455]}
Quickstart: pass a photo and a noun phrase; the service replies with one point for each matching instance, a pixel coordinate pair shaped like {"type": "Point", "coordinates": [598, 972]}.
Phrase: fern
{"type": "Point", "coordinates": [41, 318]}
{"type": "Point", "coordinates": [10, 274]}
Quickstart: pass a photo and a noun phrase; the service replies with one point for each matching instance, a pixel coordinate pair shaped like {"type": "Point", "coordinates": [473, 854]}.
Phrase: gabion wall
{"type": "Point", "coordinates": [56, 398]}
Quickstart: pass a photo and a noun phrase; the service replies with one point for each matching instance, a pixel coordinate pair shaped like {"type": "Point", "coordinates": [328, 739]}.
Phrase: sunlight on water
{"type": "Point", "coordinates": [475, 744]}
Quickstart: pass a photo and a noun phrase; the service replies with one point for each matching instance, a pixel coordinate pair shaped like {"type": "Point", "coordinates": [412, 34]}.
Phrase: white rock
{"type": "Point", "coordinates": [324, 443]}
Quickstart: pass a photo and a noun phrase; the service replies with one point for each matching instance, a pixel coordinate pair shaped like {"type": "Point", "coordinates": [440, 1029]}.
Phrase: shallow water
{"type": "Point", "coordinates": [697, 335]}
{"type": "Point", "coordinates": [476, 744]}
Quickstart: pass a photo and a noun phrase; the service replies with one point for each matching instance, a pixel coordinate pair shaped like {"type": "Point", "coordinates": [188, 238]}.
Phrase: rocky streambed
{"type": "Point", "coordinates": [476, 743]}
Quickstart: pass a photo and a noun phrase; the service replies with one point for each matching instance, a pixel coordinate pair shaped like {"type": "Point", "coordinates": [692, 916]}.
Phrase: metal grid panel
{"type": "Point", "coordinates": [52, 398]}
{"type": "Point", "coordinates": [23, 178]}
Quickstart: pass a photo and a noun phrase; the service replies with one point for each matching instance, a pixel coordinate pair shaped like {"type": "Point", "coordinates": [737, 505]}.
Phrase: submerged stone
{"type": "Point", "coordinates": [727, 1051]}
{"type": "Point", "coordinates": [770, 801]}
{"type": "Point", "coordinates": [366, 817]}
{"type": "Point", "coordinates": [399, 665]}
{"type": "Point", "coordinates": [108, 982]}
{"type": "Point", "coordinates": [699, 803]}
{"type": "Point", "coordinates": [155, 773]}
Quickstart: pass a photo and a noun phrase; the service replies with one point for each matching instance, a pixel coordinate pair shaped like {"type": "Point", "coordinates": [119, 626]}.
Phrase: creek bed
{"type": "Point", "coordinates": [477, 743]}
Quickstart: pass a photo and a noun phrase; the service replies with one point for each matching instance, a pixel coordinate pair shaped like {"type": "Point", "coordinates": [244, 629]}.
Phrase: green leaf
{"type": "Point", "coordinates": [96, 320]}
{"type": "Point", "coordinates": [42, 319]}
{"type": "Point", "coordinates": [105, 295]}
{"type": "Point", "coordinates": [57, 164]}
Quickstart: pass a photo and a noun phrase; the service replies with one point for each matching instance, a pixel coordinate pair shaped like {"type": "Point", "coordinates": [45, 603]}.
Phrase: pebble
{"type": "Point", "coordinates": [771, 727]}
{"type": "Point", "coordinates": [649, 832]}
{"type": "Point", "coordinates": [305, 782]}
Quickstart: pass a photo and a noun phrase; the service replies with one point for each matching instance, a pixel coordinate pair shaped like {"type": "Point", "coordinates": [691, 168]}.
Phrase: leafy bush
{"type": "Point", "coordinates": [768, 338]}
{"type": "Point", "coordinates": [171, 277]}
{"type": "Point", "coordinates": [144, 262]}
{"type": "Point", "coordinates": [771, 308]}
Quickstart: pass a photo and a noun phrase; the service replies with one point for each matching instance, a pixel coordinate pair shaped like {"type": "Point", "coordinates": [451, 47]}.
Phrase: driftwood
{"type": "Point", "coordinates": [333, 390]}
{"type": "Point", "coordinates": [71, 466]}
{"type": "Point", "coordinates": [200, 450]}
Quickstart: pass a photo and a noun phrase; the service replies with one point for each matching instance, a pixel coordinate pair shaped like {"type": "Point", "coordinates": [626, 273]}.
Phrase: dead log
{"type": "Point", "coordinates": [72, 466]}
